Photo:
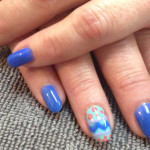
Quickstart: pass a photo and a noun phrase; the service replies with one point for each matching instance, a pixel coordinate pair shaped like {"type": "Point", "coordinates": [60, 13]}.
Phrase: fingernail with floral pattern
{"type": "Point", "coordinates": [98, 123]}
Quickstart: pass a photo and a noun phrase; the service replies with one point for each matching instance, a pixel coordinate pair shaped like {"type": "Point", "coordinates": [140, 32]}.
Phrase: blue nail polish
{"type": "Point", "coordinates": [20, 57]}
{"type": "Point", "coordinates": [142, 114]}
{"type": "Point", "coordinates": [51, 98]}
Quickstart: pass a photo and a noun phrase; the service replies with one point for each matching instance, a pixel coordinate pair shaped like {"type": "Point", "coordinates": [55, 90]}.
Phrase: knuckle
{"type": "Point", "coordinates": [131, 78]}
{"type": "Point", "coordinates": [82, 83]}
{"type": "Point", "coordinates": [91, 22]}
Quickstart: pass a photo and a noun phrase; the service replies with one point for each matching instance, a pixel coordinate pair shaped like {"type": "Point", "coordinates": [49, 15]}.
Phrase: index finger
{"type": "Point", "coordinates": [91, 26]}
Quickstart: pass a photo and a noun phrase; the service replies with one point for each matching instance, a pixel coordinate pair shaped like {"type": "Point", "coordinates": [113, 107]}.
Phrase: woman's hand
{"type": "Point", "coordinates": [125, 71]}
{"type": "Point", "coordinates": [93, 25]}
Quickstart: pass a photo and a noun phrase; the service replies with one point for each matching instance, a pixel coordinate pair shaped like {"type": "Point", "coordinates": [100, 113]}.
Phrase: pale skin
{"type": "Point", "coordinates": [93, 25]}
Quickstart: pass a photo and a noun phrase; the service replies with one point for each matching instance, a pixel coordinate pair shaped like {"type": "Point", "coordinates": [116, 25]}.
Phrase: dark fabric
{"type": "Point", "coordinates": [26, 125]}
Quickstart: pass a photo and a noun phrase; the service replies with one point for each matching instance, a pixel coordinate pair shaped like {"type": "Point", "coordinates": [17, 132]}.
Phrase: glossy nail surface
{"type": "Point", "coordinates": [20, 57]}
{"type": "Point", "coordinates": [98, 123]}
{"type": "Point", "coordinates": [51, 98]}
{"type": "Point", "coordinates": [142, 114]}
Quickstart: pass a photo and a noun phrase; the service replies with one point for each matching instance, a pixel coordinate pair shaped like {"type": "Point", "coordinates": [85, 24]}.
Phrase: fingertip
{"type": "Point", "coordinates": [20, 57]}
{"type": "Point", "coordinates": [98, 123]}
{"type": "Point", "coordinates": [45, 86]}
{"type": "Point", "coordinates": [142, 115]}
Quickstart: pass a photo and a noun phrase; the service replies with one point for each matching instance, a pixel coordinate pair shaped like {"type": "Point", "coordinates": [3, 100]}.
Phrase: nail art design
{"type": "Point", "coordinates": [142, 114]}
{"type": "Point", "coordinates": [20, 57]}
{"type": "Point", "coordinates": [98, 123]}
{"type": "Point", "coordinates": [51, 98]}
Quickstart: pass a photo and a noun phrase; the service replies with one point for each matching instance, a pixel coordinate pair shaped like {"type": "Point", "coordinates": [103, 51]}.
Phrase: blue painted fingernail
{"type": "Point", "coordinates": [98, 123]}
{"type": "Point", "coordinates": [51, 98]}
{"type": "Point", "coordinates": [142, 114]}
{"type": "Point", "coordinates": [20, 57]}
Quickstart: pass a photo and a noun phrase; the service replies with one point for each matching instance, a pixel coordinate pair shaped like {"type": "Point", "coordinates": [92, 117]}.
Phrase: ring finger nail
{"type": "Point", "coordinates": [51, 98]}
{"type": "Point", "coordinates": [98, 123]}
{"type": "Point", "coordinates": [142, 114]}
{"type": "Point", "coordinates": [20, 57]}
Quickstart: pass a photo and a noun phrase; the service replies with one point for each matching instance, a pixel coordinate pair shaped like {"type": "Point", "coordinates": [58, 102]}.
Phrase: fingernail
{"type": "Point", "coordinates": [20, 57]}
{"type": "Point", "coordinates": [98, 123]}
{"type": "Point", "coordinates": [142, 114]}
{"type": "Point", "coordinates": [51, 98]}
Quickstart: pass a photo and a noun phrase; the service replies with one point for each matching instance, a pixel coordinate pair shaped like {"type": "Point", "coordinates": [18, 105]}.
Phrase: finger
{"type": "Point", "coordinates": [143, 40]}
{"type": "Point", "coordinates": [44, 84]}
{"type": "Point", "coordinates": [91, 26]}
{"type": "Point", "coordinates": [13, 44]}
{"type": "Point", "coordinates": [20, 17]}
{"type": "Point", "coordinates": [86, 97]}
{"type": "Point", "coordinates": [126, 74]}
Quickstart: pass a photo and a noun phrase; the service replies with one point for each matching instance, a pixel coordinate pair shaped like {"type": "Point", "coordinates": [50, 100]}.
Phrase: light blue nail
{"type": "Point", "coordinates": [98, 123]}
{"type": "Point", "coordinates": [51, 98]}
